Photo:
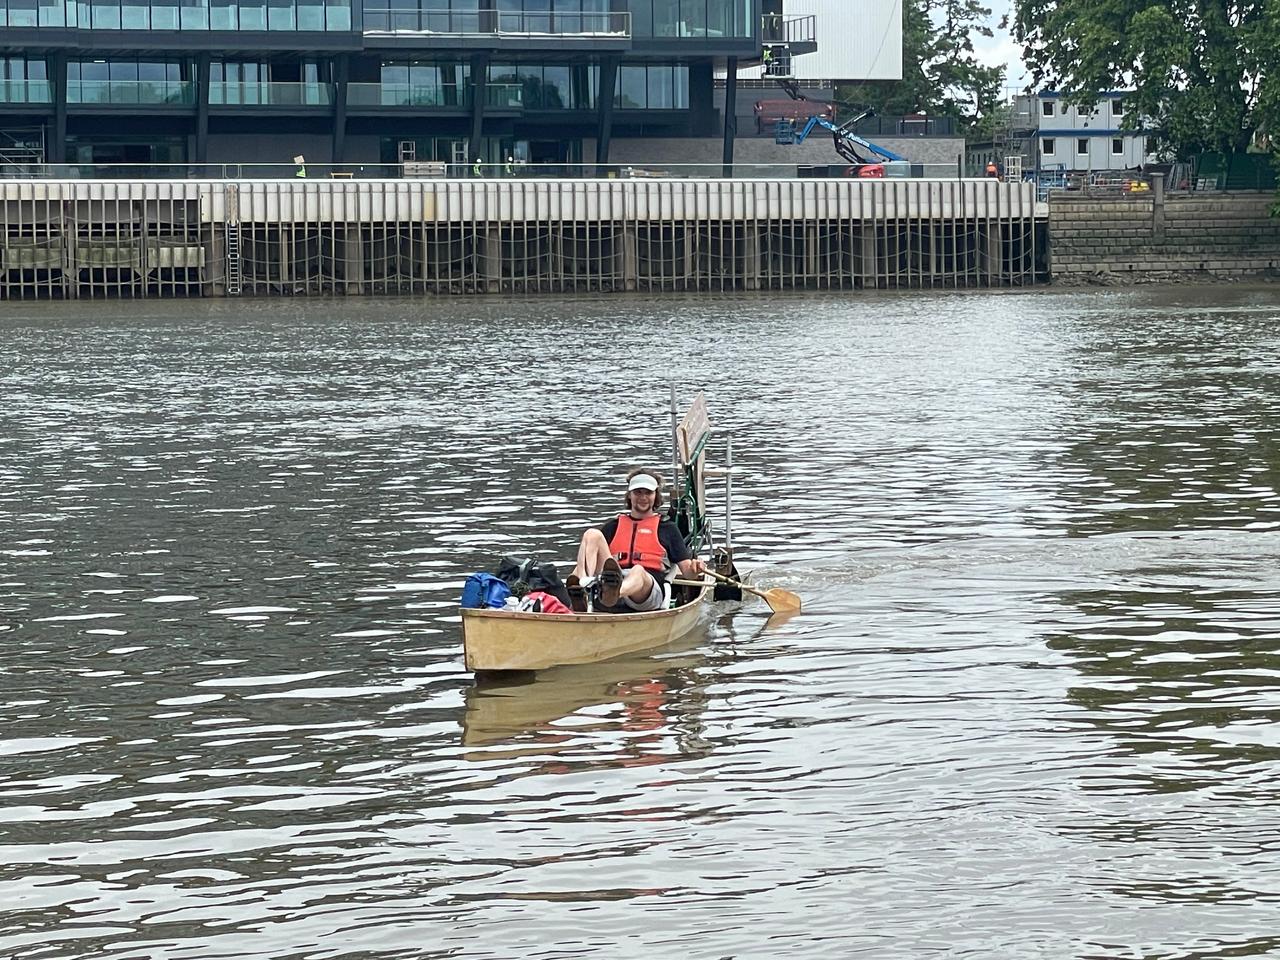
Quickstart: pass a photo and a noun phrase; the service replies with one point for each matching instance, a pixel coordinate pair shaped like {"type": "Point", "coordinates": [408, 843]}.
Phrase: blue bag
{"type": "Point", "coordinates": [485, 590]}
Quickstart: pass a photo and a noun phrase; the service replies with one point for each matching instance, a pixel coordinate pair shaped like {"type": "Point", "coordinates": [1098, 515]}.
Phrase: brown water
{"type": "Point", "coordinates": [1030, 710]}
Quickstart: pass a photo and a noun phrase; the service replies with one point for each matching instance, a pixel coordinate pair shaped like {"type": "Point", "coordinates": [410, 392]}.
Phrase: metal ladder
{"type": "Point", "coordinates": [232, 224]}
{"type": "Point", "coordinates": [233, 259]}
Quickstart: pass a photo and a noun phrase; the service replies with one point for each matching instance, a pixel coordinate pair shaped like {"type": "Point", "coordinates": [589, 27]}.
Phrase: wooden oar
{"type": "Point", "coordinates": [779, 600]}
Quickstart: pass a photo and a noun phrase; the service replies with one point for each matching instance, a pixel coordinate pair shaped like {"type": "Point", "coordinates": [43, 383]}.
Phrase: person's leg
{"type": "Point", "coordinates": [593, 551]}
{"type": "Point", "coordinates": [641, 590]}
{"type": "Point", "coordinates": [636, 583]}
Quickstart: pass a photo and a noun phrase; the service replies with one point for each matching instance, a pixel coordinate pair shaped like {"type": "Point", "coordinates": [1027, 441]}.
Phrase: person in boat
{"type": "Point", "coordinates": [629, 556]}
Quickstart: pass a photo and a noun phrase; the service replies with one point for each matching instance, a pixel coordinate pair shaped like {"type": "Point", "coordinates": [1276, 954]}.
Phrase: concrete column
{"type": "Point", "coordinates": [867, 264]}
{"type": "Point", "coordinates": [730, 113]}
{"type": "Point", "coordinates": [491, 265]}
{"type": "Point", "coordinates": [989, 252]}
{"type": "Point", "coordinates": [213, 237]}
{"type": "Point", "coordinates": [751, 258]}
{"type": "Point", "coordinates": [630, 257]}
{"type": "Point", "coordinates": [1157, 208]}
{"type": "Point", "coordinates": [353, 259]}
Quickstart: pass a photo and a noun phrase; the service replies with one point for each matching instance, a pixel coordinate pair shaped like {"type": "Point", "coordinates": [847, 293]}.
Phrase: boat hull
{"type": "Point", "coordinates": [507, 640]}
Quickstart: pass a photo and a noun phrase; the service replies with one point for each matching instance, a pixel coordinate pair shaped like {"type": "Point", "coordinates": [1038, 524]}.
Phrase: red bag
{"type": "Point", "coordinates": [539, 601]}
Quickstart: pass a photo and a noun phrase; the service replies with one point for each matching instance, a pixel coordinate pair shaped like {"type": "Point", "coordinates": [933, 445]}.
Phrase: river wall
{"type": "Point", "coordinates": [214, 238]}
{"type": "Point", "coordinates": [1153, 237]}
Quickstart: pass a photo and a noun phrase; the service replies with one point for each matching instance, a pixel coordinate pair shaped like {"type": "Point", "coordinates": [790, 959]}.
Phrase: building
{"type": "Point", "coordinates": [361, 81]}
{"type": "Point", "coordinates": [1048, 134]}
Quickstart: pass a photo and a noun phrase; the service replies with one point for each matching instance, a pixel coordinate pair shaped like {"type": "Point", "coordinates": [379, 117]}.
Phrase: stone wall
{"type": "Point", "coordinates": [1150, 236]}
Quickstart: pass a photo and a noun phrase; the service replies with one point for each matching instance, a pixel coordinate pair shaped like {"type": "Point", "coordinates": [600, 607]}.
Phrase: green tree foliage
{"type": "Point", "coordinates": [941, 75]}
{"type": "Point", "coordinates": [1200, 70]}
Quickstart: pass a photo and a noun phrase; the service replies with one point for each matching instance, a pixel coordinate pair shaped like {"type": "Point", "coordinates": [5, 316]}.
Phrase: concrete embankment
{"type": "Point", "coordinates": [1149, 237]}
{"type": "Point", "coordinates": [77, 238]}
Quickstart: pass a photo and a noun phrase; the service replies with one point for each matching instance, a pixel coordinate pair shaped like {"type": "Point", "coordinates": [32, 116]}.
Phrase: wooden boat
{"type": "Point", "coordinates": [508, 640]}
{"type": "Point", "coordinates": [500, 640]}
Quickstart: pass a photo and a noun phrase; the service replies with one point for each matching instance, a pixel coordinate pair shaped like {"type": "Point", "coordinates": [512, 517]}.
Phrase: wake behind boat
{"type": "Point", "coordinates": [503, 640]}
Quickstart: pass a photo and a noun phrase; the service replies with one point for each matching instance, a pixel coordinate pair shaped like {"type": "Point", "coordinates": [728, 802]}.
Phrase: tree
{"type": "Point", "coordinates": [1199, 71]}
{"type": "Point", "coordinates": [941, 75]}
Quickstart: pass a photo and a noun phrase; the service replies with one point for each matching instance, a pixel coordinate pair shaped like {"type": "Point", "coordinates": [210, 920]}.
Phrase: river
{"type": "Point", "coordinates": [1030, 708]}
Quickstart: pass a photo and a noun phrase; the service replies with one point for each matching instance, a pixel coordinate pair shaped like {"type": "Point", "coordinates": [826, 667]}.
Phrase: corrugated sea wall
{"type": "Point", "coordinates": [72, 239]}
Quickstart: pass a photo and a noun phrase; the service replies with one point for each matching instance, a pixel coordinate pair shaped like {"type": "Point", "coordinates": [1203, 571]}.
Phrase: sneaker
{"type": "Point", "coordinates": [610, 583]}
{"type": "Point", "coordinates": [577, 594]}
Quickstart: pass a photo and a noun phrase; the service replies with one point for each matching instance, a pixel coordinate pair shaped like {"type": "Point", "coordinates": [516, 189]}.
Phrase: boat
{"type": "Point", "coordinates": [509, 640]}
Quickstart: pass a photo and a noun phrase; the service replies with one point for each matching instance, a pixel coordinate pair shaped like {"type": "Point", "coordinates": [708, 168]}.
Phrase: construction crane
{"type": "Point", "coordinates": [848, 144]}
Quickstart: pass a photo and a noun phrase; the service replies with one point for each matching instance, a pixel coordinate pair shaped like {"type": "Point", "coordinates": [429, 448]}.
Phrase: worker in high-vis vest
{"type": "Point", "coordinates": [623, 563]}
{"type": "Point", "coordinates": [475, 168]}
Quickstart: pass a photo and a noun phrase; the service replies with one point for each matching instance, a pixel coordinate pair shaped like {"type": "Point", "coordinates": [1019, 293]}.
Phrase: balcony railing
{"type": "Point", "coordinates": [269, 93]}
{"type": "Point", "coordinates": [180, 92]}
{"type": "Point", "coordinates": [25, 91]}
{"type": "Point", "coordinates": [497, 95]}
{"type": "Point", "coordinates": [317, 15]}
{"type": "Point", "coordinates": [489, 23]}
{"type": "Point", "coordinates": [776, 28]}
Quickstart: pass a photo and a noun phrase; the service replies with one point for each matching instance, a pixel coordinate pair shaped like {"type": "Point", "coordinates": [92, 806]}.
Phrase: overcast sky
{"type": "Point", "coordinates": [1001, 50]}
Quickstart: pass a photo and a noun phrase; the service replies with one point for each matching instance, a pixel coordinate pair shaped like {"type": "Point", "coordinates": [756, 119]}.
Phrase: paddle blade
{"type": "Point", "coordinates": [781, 601]}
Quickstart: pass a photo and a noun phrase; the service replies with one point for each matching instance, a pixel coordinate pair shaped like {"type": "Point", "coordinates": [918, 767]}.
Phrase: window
{"type": "Point", "coordinates": [1082, 147]}
{"type": "Point", "coordinates": [1117, 147]}
{"type": "Point", "coordinates": [658, 86]}
{"type": "Point", "coordinates": [1117, 108]}
{"type": "Point", "coordinates": [1046, 108]}
{"type": "Point", "coordinates": [1047, 146]}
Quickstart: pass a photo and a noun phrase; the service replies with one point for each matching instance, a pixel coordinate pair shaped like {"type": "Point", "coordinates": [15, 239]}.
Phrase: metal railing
{"type": "Point", "coordinates": [319, 16]}
{"type": "Point", "coordinates": [497, 95]}
{"type": "Point", "coordinates": [26, 91]}
{"type": "Point", "coordinates": [485, 170]}
{"type": "Point", "coordinates": [778, 28]}
{"type": "Point", "coordinates": [488, 23]}
{"type": "Point", "coordinates": [224, 92]}
{"type": "Point", "coordinates": [180, 92]}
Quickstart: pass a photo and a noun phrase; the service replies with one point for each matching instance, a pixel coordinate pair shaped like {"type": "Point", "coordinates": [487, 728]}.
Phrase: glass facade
{"type": "Point", "coordinates": [692, 18]}
{"type": "Point", "coordinates": [427, 16]}
{"type": "Point", "coordinates": [24, 81]}
{"type": "Point", "coordinates": [130, 82]}
{"type": "Point", "coordinates": [656, 86]}
{"type": "Point", "coordinates": [178, 15]}
{"type": "Point", "coordinates": [550, 86]}
{"type": "Point", "coordinates": [244, 82]}
{"type": "Point", "coordinates": [415, 83]}
{"type": "Point", "coordinates": [553, 16]}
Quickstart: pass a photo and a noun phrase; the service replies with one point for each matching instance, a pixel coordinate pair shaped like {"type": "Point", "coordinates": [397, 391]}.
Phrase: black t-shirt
{"type": "Point", "coordinates": [668, 535]}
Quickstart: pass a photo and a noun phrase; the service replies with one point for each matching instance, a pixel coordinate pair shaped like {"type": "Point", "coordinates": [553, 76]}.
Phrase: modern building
{"type": "Point", "coordinates": [361, 81]}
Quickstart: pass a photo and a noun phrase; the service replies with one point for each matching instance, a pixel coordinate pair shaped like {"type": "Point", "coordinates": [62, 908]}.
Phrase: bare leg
{"type": "Point", "coordinates": [637, 584]}
{"type": "Point", "coordinates": [592, 553]}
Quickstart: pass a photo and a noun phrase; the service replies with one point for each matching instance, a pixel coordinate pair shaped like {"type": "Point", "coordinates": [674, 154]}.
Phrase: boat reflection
{"type": "Point", "coordinates": [644, 705]}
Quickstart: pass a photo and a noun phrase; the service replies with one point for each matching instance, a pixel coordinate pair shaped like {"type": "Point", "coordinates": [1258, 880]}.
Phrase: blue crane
{"type": "Point", "coordinates": [848, 144]}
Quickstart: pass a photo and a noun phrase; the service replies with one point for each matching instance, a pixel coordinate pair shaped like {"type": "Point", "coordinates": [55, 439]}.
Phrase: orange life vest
{"type": "Point", "coordinates": [636, 543]}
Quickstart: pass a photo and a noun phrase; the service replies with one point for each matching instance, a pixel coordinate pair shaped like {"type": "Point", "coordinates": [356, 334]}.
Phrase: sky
{"type": "Point", "coordinates": [1001, 50]}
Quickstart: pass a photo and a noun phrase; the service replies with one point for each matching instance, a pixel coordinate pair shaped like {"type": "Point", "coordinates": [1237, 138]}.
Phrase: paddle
{"type": "Point", "coordinates": [779, 600]}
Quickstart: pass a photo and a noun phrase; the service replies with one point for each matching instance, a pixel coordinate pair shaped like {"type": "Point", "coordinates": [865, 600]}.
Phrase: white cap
{"type": "Point", "coordinates": [642, 481]}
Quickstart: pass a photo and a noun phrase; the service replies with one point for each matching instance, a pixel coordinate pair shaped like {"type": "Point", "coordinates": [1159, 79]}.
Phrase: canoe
{"type": "Point", "coordinates": [509, 640]}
